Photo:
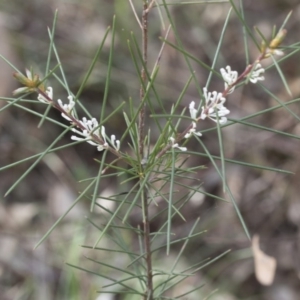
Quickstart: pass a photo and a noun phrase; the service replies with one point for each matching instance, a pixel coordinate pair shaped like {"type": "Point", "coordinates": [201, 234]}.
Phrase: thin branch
{"type": "Point", "coordinates": [141, 135]}
{"type": "Point", "coordinates": [162, 48]}
{"type": "Point", "coordinates": [141, 125]}
{"type": "Point", "coordinates": [135, 14]}
{"type": "Point", "coordinates": [150, 6]}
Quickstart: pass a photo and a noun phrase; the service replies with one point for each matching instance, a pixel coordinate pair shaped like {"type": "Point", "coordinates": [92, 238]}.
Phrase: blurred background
{"type": "Point", "coordinates": [269, 201]}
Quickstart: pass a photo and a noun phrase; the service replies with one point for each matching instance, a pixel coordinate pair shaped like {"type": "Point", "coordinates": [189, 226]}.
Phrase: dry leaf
{"type": "Point", "coordinates": [264, 264]}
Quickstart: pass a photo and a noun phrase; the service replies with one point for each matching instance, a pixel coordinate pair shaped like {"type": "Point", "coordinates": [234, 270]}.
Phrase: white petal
{"type": "Point", "coordinates": [188, 135]}
{"type": "Point", "coordinates": [180, 148]}
{"type": "Point", "coordinates": [193, 111]}
{"type": "Point", "coordinates": [66, 117]}
{"type": "Point", "coordinates": [76, 138]}
{"type": "Point", "coordinates": [49, 92]}
{"type": "Point", "coordinates": [100, 148]}
{"type": "Point", "coordinates": [28, 74]}
{"type": "Point", "coordinates": [118, 145]}
{"type": "Point", "coordinates": [172, 140]}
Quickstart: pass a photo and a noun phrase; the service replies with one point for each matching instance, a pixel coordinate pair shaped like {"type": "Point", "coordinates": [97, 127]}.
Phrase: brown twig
{"type": "Point", "coordinates": [141, 127]}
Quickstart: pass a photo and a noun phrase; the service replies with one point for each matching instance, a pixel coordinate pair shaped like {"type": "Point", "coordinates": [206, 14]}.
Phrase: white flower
{"type": "Point", "coordinates": [91, 128]}
{"type": "Point", "coordinates": [68, 108]}
{"type": "Point", "coordinates": [105, 145]}
{"type": "Point", "coordinates": [222, 112]}
{"type": "Point", "coordinates": [229, 78]}
{"type": "Point", "coordinates": [213, 99]}
{"type": "Point", "coordinates": [175, 145]}
{"type": "Point", "coordinates": [114, 142]}
{"type": "Point", "coordinates": [49, 93]}
{"type": "Point", "coordinates": [214, 107]}
{"type": "Point", "coordinates": [193, 113]}
{"type": "Point", "coordinates": [255, 74]}
{"type": "Point", "coordinates": [193, 131]}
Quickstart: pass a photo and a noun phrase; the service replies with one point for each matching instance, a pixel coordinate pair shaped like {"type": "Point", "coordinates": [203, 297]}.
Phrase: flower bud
{"type": "Point", "coordinates": [275, 43]}
{"type": "Point", "coordinates": [31, 82]}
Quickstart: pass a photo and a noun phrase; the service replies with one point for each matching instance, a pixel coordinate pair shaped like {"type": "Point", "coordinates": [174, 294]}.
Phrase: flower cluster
{"type": "Point", "coordinates": [193, 113]}
{"type": "Point", "coordinates": [90, 132]}
{"type": "Point", "coordinates": [67, 108]}
{"type": "Point", "coordinates": [214, 108]}
{"type": "Point", "coordinates": [229, 78]}
{"type": "Point", "coordinates": [255, 74]}
{"type": "Point", "coordinates": [214, 102]}
{"type": "Point", "coordinates": [49, 93]}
